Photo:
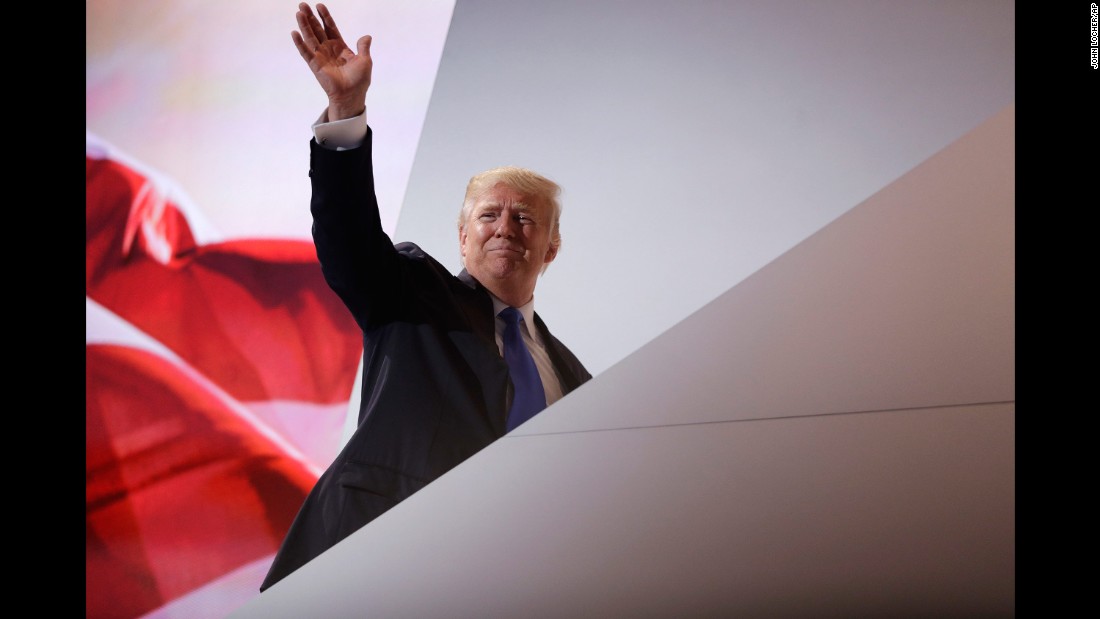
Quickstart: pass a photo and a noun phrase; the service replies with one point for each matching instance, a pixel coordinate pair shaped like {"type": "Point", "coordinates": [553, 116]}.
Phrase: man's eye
{"type": "Point", "coordinates": [525, 219]}
{"type": "Point", "coordinates": [488, 216]}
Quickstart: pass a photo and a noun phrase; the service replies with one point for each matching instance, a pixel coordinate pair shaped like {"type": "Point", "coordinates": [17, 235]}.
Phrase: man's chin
{"type": "Point", "coordinates": [504, 268]}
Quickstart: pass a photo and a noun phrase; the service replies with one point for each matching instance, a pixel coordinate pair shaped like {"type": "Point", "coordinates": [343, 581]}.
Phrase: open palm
{"type": "Point", "coordinates": [342, 73]}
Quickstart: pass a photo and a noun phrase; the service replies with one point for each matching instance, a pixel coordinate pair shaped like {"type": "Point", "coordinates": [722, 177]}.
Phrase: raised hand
{"type": "Point", "coordinates": [344, 75]}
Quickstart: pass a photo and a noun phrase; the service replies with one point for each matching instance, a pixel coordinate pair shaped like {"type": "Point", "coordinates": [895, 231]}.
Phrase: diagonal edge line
{"type": "Point", "coordinates": [802, 416]}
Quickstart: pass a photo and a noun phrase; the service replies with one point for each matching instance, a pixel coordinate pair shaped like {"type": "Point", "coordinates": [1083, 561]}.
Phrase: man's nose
{"type": "Point", "coordinates": [506, 226]}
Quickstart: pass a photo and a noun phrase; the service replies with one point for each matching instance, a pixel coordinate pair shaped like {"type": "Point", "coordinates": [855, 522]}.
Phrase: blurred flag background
{"type": "Point", "coordinates": [219, 365]}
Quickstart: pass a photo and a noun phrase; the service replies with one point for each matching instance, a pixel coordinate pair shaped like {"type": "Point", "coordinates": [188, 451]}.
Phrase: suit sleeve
{"type": "Point", "coordinates": [357, 258]}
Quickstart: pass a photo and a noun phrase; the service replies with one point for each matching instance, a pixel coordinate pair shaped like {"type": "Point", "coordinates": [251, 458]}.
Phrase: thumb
{"type": "Point", "coordinates": [364, 45]}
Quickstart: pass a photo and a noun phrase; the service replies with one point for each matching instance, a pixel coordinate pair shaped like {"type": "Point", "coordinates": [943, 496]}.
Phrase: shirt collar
{"type": "Point", "coordinates": [528, 312]}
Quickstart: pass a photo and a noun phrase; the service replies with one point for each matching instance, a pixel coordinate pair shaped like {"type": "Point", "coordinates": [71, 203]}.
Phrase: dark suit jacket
{"type": "Point", "coordinates": [435, 389]}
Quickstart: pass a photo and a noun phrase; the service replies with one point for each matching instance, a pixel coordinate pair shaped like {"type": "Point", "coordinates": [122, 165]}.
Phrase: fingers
{"type": "Point", "coordinates": [312, 32]}
{"type": "Point", "coordinates": [303, 48]}
{"type": "Point", "coordinates": [331, 31]}
{"type": "Point", "coordinates": [315, 34]}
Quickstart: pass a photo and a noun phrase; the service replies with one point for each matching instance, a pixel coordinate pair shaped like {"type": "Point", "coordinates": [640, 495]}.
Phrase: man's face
{"type": "Point", "coordinates": [506, 238]}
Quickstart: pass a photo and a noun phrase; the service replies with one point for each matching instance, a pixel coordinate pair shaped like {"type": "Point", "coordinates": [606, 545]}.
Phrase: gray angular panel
{"type": "Point", "coordinates": [907, 300]}
{"type": "Point", "coordinates": [695, 141]}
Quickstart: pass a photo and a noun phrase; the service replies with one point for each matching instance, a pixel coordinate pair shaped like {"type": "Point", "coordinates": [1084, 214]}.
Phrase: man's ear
{"type": "Point", "coordinates": [462, 241]}
{"type": "Point", "coordinates": [551, 253]}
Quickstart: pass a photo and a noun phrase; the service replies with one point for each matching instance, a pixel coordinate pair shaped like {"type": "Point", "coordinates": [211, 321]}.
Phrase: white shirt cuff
{"type": "Point", "coordinates": [343, 134]}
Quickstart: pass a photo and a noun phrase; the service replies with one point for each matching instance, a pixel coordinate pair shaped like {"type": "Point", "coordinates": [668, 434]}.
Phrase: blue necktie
{"type": "Point", "coordinates": [529, 395]}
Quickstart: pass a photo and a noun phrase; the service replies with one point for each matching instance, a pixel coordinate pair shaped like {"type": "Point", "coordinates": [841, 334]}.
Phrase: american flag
{"type": "Point", "coordinates": [217, 380]}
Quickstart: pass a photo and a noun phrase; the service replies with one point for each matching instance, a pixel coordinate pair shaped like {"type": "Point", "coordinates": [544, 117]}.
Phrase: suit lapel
{"type": "Point", "coordinates": [569, 379]}
{"type": "Point", "coordinates": [478, 307]}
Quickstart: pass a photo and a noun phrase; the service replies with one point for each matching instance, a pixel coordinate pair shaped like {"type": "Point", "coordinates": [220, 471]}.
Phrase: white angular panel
{"type": "Point", "coordinates": [889, 514]}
